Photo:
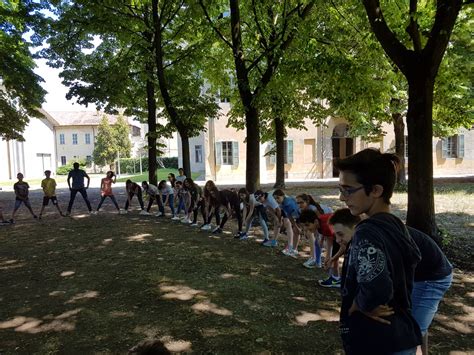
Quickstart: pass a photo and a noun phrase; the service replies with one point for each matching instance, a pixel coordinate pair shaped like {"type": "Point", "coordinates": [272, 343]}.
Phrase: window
{"type": "Point", "coordinates": [227, 153]}
{"type": "Point", "coordinates": [61, 139]}
{"type": "Point", "coordinates": [310, 150]}
{"type": "Point", "coordinates": [198, 153]}
{"type": "Point", "coordinates": [88, 138]}
{"type": "Point", "coordinates": [63, 160]}
{"type": "Point", "coordinates": [288, 152]}
{"type": "Point", "coordinates": [74, 138]}
{"type": "Point", "coordinates": [135, 131]}
{"type": "Point", "coordinates": [453, 147]}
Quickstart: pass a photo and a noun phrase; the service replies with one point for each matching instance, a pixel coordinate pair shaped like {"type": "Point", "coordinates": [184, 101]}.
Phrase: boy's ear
{"type": "Point", "coordinates": [377, 191]}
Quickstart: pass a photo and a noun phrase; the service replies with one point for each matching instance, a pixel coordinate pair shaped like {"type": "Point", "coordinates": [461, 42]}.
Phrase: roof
{"type": "Point", "coordinates": [85, 118]}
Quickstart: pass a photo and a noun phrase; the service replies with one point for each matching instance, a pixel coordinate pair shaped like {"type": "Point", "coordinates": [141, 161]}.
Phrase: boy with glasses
{"type": "Point", "coordinates": [376, 295]}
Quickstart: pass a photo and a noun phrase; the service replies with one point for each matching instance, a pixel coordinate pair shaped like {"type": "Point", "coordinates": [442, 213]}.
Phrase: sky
{"type": "Point", "coordinates": [56, 97]}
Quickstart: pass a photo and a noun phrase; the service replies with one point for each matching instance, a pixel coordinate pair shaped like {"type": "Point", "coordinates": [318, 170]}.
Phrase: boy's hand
{"type": "Point", "coordinates": [376, 314]}
{"type": "Point", "coordinates": [327, 263]}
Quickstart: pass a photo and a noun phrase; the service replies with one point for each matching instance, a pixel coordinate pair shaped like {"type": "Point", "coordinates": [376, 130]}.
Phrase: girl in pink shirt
{"type": "Point", "coordinates": [106, 190]}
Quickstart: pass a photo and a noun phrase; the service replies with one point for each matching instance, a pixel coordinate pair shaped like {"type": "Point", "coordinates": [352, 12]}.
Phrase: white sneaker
{"type": "Point", "coordinates": [159, 214]}
{"type": "Point", "coordinates": [185, 221]}
{"type": "Point", "coordinates": [144, 213]}
{"type": "Point", "coordinates": [310, 263]}
{"type": "Point", "coordinates": [92, 212]}
{"type": "Point", "coordinates": [175, 218]}
{"type": "Point", "coordinates": [287, 251]}
{"type": "Point", "coordinates": [193, 224]}
{"type": "Point", "coordinates": [123, 211]}
{"type": "Point", "coordinates": [206, 227]}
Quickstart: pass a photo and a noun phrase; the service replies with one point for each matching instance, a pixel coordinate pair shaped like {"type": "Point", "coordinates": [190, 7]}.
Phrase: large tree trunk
{"type": "Point", "coordinates": [186, 156]}
{"type": "Point", "coordinates": [399, 130]}
{"type": "Point", "coordinates": [280, 153]}
{"type": "Point", "coordinates": [252, 173]}
{"type": "Point", "coordinates": [151, 120]}
{"type": "Point", "coordinates": [421, 212]}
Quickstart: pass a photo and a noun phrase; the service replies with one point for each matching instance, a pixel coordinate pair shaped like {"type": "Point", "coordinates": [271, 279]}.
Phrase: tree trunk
{"type": "Point", "coordinates": [280, 153]}
{"type": "Point", "coordinates": [252, 173]}
{"type": "Point", "coordinates": [186, 156]}
{"type": "Point", "coordinates": [421, 211]}
{"type": "Point", "coordinates": [399, 130]}
{"type": "Point", "coordinates": [151, 120]}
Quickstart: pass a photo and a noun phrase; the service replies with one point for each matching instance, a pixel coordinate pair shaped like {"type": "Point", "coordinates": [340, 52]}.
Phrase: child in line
{"type": "Point", "coordinates": [269, 203]}
{"type": "Point", "coordinates": [211, 204]}
{"type": "Point", "coordinates": [106, 190]}
{"type": "Point", "coordinates": [251, 209]}
{"type": "Point", "coordinates": [180, 192]}
{"type": "Point", "coordinates": [153, 194]}
{"type": "Point", "coordinates": [21, 196]}
{"type": "Point", "coordinates": [312, 223]}
{"type": "Point", "coordinates": [172, 179]}
{"type": "Point", "coordinates": [167, 197]}
{"type": "Point", "coordinates": [133, 189]}
{"type": "Point", "coordinates": [289, 214]}
{"type": "Point", "coordinates": [196, 200]}
{"type": "Point", "coordinates": [229, 201]}
{"type": "Point", "coordinates": [49, 189]}
{"type": "Point", "coordinates": [181, 177]}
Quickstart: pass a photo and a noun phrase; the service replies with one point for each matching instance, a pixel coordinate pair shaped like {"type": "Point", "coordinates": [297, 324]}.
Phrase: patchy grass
{"type": "Point", "coordinates": [102, 284]}
{"type": "Point", "coordinates": [162, 174]}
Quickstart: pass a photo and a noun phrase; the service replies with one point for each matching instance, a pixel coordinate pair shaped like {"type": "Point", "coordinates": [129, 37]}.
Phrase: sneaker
{"type": "Point", "coordinates": [93, 212]}
{"type": "Point", "coordinates": [35, 216]}
{"type": "Point", "coordinates": [238, 235]}
{"type": "Point", "coordinates": [286, 251]}
{"type": "Point", "coordinates": [294, 253]}
{"type": "Point", "coordinates": [206, 227]}
{"type": "Point", "coordinates": [310, 263]}
{"type": "Point", "coordinates": [264, 241]}
{"type": "Point", "coordinates": [270, 243]}
{"type": "Point", "coordinates": [4, 223]}
{"type": "Point", "coordinates": [217, 230]}
{"type": "Point", "coordinates": [243, 236]}
{"type": "Point", "coordinates": [144, 213]}
{"type": "Point", "coordinates": [159, 214]}
{"type": "Point", "coordinates": [186, 221]}
{"type": "Point", "coordinates": [12, 221]}
{"type": "Point", "coordinates": [331, 282]}
{"type": "Point", "coordinates": [193, 224]}
{"type": "Point", "coordinates": [175, 218]}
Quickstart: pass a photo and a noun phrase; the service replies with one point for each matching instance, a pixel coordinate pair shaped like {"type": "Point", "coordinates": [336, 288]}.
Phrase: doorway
{"type": "Point", "coordinates": [342, 144]}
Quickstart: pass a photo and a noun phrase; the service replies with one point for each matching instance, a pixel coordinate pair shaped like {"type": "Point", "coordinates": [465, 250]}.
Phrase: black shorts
{"type": "Point", "coordinates": [53, 199]}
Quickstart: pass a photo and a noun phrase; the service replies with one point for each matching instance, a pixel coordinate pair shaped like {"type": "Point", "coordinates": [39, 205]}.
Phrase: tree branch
{"type": "Point", "coordinates": [413, 28]}
{"type": "Point", "coordinates": [263, 40]}
{"type": "Point", "coordinates": [219, 33]}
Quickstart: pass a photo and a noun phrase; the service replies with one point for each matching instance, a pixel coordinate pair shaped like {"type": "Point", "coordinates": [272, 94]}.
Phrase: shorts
{"type": "Point", "coordinates": [19, 202]}
{"type": "Point", "coordinates": [53, 199]}
{"type": "Point", "coordinates": [425, 299]}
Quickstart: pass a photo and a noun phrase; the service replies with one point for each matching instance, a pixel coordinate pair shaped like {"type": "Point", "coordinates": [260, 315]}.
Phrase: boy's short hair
{"type": "Point", "coordinates": [178, 183]}
{"type": "Point", "coordinates": [47, 171]}
{"type": "Point", "coordinates": [278, 192]}
{"type": "Point", "coordinates": [75, 165]}
{"type": "Point", "coordinates": [345, 217]}
{"type": "Point", "coordinates": [371, 167]}
{"type": "Point", "coordinates": [258, 194]}
{"type": "Point", "coordinates": [308, 216]}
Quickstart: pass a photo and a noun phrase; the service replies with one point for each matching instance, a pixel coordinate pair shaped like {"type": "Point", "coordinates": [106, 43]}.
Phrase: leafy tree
{"type": "Point", "coordinates": [427, 33]}
{"type": "Point", "coordinates": [21, 95]}
{"type": "Point", "coordinates": [258, 35]}
{"type": "Point", "coordinates": [112, 140]}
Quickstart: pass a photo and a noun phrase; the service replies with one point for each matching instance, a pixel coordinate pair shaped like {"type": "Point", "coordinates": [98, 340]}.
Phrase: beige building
{"type": "Point", "coordinates": [75, 134]}
{"type": "Point", "coordinates": [218, 153]}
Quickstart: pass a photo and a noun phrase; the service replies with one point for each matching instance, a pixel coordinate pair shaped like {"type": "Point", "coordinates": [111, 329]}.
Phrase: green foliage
{"type": "Point", "coordinates": [170, 163]}
{"type": "Point", "coordinates": [65, 169]}
{"type": "Point", "coordinates": [21, 95]}
{"type": "Point", "coordinates": [132, 165]}
{"type": "Point", "coordinates": [111, 140]}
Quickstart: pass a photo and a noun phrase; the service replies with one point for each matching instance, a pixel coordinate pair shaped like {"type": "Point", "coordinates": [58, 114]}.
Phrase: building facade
{"type": "Point", "coordinates": [219, 152]}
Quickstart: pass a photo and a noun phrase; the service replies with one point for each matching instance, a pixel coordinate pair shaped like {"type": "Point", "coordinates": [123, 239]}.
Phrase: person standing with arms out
{"type": "Point", "coordinates": [49, 189]}
{"type": "Point", "coordinates": [21, 196]}
{"type": "Point", "coordinates": [106, 189]}
{"type": "Point", "coordinates": [77, 175]}
{"type": "Point", "coordinates": [376, 298]}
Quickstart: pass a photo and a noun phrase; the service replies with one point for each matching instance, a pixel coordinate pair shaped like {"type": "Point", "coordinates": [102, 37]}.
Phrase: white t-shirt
{"type": "Point", "coordinates": [152, 190]}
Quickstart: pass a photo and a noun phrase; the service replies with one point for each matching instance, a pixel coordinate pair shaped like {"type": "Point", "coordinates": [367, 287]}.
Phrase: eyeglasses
{"type": "Point", "coordinates": [349, 191]}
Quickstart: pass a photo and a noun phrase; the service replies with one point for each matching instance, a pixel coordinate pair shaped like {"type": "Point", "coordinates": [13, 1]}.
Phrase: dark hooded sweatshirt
{"type": "Point", "coordinates": [379, 270]}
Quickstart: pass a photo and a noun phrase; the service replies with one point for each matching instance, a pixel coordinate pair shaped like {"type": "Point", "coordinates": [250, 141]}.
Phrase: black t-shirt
{"type": "Point", "coordinates": [379, 270]}
{"type": "Point", "coordinates": [434, 265]}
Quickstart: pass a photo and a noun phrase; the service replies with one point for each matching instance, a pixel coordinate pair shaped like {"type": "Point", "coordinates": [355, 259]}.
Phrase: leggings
{"type": "Point", "coordinates": [158, 202]}
{"type": "Point", "coordinates": [170, 203]}
{"type": "Point", "coordinates": [112, 197]}
{"type": "Point", "coordinates": [199, 206]}
{"type": "Point", "coordinates": [139, 196]}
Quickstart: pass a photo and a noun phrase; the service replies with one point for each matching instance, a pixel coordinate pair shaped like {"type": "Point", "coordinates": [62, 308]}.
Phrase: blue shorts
{"type": "Point", "coordinates": [425, 299]}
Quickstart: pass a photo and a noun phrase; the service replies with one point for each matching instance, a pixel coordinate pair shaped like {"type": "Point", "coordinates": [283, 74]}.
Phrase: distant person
{"type": "Point", "coordinates": [106, 189]}
{"type": "Point", "coordinates": [172, 179]}
{"type": "Point", "coordinates": [376, 298]}
{"type": "Point", "coordinates": [181, 177]}
{"type": "Point", "coordinates": [267, 200]}
{"type": "Point", "coordinates": [252, 209]}
{"type": "Point", "coordinates": [77, 175]}
{"type": "Point", "coordinates": [153, 195]}
{"type": "Point", "coordinates": [49, 189]}
{"type": "Point", "coordinates": [134, 189]}
{"type": "Point", "coordinates": [197, 200]}
{"type": "Point", "coordinates": [167, 197]}
{"type": "Point", "coordinates": [21, 196]}
{"type": "Point", "coordinates": [289, 214]}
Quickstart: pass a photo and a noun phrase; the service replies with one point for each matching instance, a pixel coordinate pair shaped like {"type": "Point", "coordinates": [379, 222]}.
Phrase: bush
{"type": "Point", "coordinates": [65, 169]}
{"type": "Point", "coordinates": [132, 165]}
{"type": "Point", "coordinates": [170, 163]}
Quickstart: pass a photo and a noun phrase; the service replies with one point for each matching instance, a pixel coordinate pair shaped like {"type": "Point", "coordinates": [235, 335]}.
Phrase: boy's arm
{"type": "Point", "coordinates": [88, 180]}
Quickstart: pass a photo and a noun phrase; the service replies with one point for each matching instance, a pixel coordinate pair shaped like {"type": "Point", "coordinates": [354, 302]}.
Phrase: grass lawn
{"type": "Point", "coordinates": [104, 283]}
{"type": "Point", "coordinates": [162, 175]}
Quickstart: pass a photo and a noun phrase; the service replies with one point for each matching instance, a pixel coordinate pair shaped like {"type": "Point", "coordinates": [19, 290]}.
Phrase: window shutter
{"type": "Point", "coordinates": [444, 148]}
{"type": "Point", "coordinates": [289, 151]}
{"type": "Point", "coordinates": [218, 153]}
{"type": "Point", "coordinates": [235, 153]}
{"type": "Point", "coordinates": [273, 155]}
{"type": "Point", "coordinates": [460, 152]}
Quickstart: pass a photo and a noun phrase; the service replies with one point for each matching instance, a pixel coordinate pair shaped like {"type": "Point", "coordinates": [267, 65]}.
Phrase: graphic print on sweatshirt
{"type": "Point", "coordinates": [370, 261]}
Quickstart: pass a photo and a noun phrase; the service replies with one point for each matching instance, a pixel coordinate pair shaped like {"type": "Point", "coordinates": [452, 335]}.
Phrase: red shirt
{"type": "Point", "coordinates": [324, 227]}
